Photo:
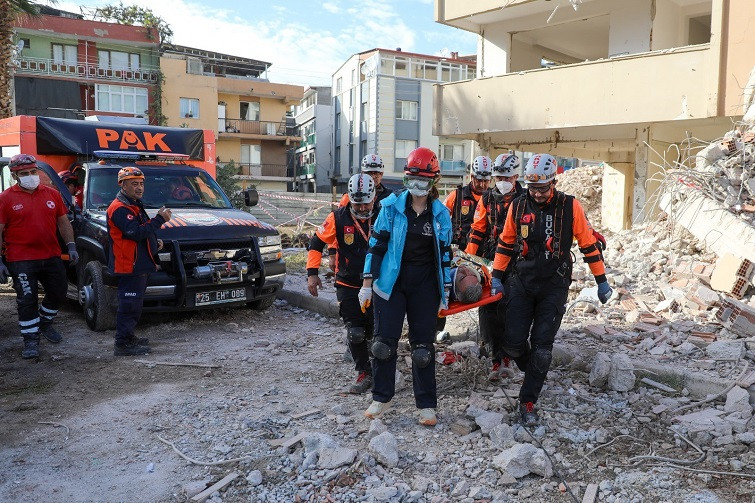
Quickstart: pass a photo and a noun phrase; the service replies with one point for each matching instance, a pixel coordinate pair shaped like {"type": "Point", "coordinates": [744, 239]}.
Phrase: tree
{"type": "Point", "coordinates": [224, 177]}
{"type": "Point", "coordinates": [135, 15]}
{"type": "Point", "coordinates": [9, 9]}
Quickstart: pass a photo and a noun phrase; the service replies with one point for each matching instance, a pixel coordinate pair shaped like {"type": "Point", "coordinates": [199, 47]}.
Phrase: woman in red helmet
{"type": "Point", "coordinates": [408, 268]}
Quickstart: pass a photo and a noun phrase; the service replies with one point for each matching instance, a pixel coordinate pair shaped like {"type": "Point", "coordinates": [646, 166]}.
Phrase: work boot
{"type": "Point", "coordinates": [427, 417]}
{"type": "Point", "coordinates": [495, 372]}
{"type": "Point", "coordinates": [506, 369]}
{"type": "Point", "coordinates": [50, 334]}
{"type": "Point", "coordinates": [377, 409]}
{"type": "Point", "coordinates": [362, 384]}
{"type": "Point", "coordinates": [528, 415]}
{"type": "Point", "coordinates": [130, 349]}
{"type": "Point", "coordinates": [139, 341]}
{"type": "Point", "coordinates": [31, 348]}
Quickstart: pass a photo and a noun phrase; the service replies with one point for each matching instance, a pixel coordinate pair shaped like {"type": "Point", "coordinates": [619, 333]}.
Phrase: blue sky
{"type": "Point", "coordinates": [306, 41]}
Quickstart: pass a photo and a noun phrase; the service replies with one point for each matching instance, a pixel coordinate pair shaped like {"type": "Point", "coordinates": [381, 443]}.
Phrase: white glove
{"type": "Point", "coordinates": [365, 298]}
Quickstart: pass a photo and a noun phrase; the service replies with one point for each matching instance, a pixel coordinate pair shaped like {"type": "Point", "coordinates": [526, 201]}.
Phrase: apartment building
{"type": "Point", "coordinates": [70, 67]}
{"type": "Point", "coordinates": [232, 96]}
{"type": "Point", "coordinates": [383, 103]}
{"type": "Point", "coordinates": [610, 80]}
{"type": "Point", "coordinates": [315, 125]}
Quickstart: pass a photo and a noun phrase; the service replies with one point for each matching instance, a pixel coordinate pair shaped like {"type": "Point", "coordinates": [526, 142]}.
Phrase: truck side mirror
{"type": "Point", "coordinates": [251, 198]}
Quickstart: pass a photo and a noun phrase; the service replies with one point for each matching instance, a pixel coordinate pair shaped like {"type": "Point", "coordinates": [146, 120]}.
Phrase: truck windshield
{"type": "Point", "coordinates": [174, 187]}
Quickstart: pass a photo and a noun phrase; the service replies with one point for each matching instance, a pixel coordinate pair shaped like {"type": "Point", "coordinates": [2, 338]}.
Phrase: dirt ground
{"type": "Point", "coordinates": [82, 426]}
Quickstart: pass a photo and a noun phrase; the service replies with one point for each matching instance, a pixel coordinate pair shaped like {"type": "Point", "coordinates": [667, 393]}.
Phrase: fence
{"type": "Point", "coordinates": [295, 209]}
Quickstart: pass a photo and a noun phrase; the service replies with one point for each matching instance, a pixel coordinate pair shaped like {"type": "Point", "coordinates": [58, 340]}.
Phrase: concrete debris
{"type": "Point", "coordinates": [586, 184]}
{"type": "Point", "coordinates": [332, 458]}
{"type": "Point", "coordinates": [731, 275]}
{"type": "Point", "coordinates": [385, 449]}
{"type": "Point", "coordinates": [621, 376]}
{"type": "Point", "coordinates": [738, 400]}
{"type": "Point", "coordinates": [601, 368]}
{"type": "Point", "coordinates": [726, 350]}
{"type": "Point", "coordinates": [522, 459]}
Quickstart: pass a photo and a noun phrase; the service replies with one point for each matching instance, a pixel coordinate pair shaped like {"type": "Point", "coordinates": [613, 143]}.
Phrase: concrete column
{"type": "Point", "coordinates": [639, 190]}
{"type": "Point", "coordinates": [616, 204]}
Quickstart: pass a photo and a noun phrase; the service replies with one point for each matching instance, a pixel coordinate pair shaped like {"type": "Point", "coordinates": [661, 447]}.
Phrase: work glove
{"type": "Point", "coordinates": [365, 297]}
{"type": "Point", "coordinates": [4, 273]}
{"type": "Point", "coordinates": [496, 286]}
{"type": "Point", "coordinates": [313, 283]}
{"type": "Point", "coordinates": [73, 255]}
{"type": "Point", "coordinates": [604, 292]}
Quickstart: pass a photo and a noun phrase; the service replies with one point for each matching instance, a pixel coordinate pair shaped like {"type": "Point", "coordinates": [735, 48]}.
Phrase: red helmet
{"type": "Point", "coordinates": [22, 161]}
{"type": "Point", "coordinates": [422, 162]}
{"type": "Point", "coordinates": [67, 177]}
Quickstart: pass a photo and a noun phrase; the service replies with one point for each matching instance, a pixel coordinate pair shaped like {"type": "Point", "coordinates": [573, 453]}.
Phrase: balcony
{"type": "Point", "coordinates": [308, 141]}
{"type": "Point", "coordinates": [453, 168]}
{"type": "Point", "coordinates": [88, 71]}
{"type": "Point", "coordinates": [254, 171]}
{"type": "Point", "coordinates": [258, 129]}
{"type": "Point", "coordinates": [307, 169]}
{"type": "Point", "coordinates": [585, 101]}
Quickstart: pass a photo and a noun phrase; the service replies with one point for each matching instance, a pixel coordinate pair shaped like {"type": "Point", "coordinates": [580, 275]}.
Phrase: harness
{"type": "Point", "coordinates": [553, 245]}
{"type": "Point", "coordinates": [461, 222]}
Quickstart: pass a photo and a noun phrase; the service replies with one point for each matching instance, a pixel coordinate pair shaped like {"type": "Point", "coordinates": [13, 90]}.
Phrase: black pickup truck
{"type": "Point", "coordinates": [213, 254]}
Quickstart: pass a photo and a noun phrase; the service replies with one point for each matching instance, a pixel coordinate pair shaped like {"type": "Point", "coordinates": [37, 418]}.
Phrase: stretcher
{"type": "Point", "coordinates": [456, 307]}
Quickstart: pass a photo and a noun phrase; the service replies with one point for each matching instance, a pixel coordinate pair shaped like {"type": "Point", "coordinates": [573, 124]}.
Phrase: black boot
{"type": "Point", "coordinates": [528, 415]}
{"type": "Point", "coordinates": [139, 341]}
{"type": "Point", "coordinates": [50, 333]}
{"type": "Point", "coordinates": [31, 347]}
{"type": "Point", "coordinates": [129, 349]}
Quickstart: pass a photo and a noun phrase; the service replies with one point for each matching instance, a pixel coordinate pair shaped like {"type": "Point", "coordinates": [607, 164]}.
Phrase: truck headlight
{"type": "Point", "coordinates": [266, 241]}
{"type": "Point", "coordinates": [270, 248]}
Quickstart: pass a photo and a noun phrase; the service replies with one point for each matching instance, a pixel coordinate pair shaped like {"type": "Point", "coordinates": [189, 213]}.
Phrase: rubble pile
{"type": "Point", "coordinates": [586, 184]}
{"type": "Point", "coordinates": [725, 171]}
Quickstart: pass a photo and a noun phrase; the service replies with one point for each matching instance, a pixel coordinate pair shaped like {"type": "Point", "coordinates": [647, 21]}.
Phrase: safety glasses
{"type": "Point", "coordinates": [418, 182]}
{"type": "Point", "coordinates": [541, 189]}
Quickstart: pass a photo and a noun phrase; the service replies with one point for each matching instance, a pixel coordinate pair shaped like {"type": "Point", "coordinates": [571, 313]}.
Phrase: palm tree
{"type": "Point", "coordinates": [9, 9]}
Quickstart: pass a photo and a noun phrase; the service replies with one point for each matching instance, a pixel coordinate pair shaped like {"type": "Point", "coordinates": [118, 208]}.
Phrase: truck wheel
{"type": "Point", "coordinates": [97, 299]}
{"type": "Point", "coordinates": [262, 304]}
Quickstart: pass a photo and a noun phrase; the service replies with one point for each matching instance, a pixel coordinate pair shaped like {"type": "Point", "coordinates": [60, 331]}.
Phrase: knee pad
{"type": "Point", "coordinates": [423, 354]}
{"type": "Point", "coordinates": [516, 350]}
{"type": "Point", "coordinates": [382, 349]}
{"type": "Point", "coordinates": [541, 359]}
{"type": "Point", "coordinates": [355, 335]}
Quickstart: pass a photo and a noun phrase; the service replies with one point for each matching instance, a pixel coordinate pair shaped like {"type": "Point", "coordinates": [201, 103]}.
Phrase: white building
{"type": "Point", "coordinates": [313, 155]}
{"type": "Point", "coordinates": [383, 103]}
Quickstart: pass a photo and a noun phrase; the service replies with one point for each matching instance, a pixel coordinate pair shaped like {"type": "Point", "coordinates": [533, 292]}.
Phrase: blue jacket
{"type": "Point", "coordinates": [383, 260]}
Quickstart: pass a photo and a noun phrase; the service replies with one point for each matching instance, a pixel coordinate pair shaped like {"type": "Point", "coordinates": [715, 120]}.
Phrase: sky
{"type": "Point", "coordinates": [305, 40]}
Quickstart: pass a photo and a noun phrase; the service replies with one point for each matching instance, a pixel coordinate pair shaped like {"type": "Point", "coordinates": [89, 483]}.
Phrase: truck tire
{"type": "Point", "coordinates": [99, 314]}
{"type": "Point", "coordinates": [262, 304]}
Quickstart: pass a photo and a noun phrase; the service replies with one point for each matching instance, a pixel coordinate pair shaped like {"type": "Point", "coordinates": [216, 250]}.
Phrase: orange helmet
{"type": "Point", "coordinates": [67, 177]}
{"type": "Point", "coordinates": [129, 173]}
{"type": "Point", "coordinates": [422, 162]}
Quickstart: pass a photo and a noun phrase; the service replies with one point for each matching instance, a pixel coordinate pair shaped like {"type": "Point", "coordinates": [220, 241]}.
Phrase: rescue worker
{"type": "Point", "coordinates": [348, 229]}
{"type": "Point", "coordinates": [31, 215]}
{"type": "Point", "coordinates": [462, 202]}
{"type": "Point", "coordinates": [72, 184]}
{"type": "Point", "coordinates": [483, 237]}
{"type": "Point", "coordinates": [133, 245]}
{"type": "Point", "coordinates": [408, 268]}
{"type": "Point", "coordinates": [537, 237]}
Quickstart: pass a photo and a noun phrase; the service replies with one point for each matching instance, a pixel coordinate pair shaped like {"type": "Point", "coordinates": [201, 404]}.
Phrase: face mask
{"type": "Point", "coordinates": [419, 192]}
{"type": "Point", "coordinates": [30, 182]}
{"type": "Point", "coordinates": [418, 186]}
{"type": "Point", "coordinates": [504, 187]}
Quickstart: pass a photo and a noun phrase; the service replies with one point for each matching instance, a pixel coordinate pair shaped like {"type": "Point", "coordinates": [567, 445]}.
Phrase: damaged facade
{"type": "Point", "coordinates": [620, 82]}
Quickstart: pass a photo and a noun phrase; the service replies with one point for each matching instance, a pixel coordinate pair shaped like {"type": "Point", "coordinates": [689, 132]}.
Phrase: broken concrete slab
{"type": "Point", "coordinates": [737, 400]}
{"type": "Point", "coordinates": [702, 420]}
{"type": "Point", "coordinates": [621, 376]}
{"type": "Point", "coordinates": [522, 459]}
{"type": "Point", "coordinates": [332, 458]}
{"type": "Point", "coordinates": [601, 368]}
{"type": "Point", "coordinates": [725, 350]}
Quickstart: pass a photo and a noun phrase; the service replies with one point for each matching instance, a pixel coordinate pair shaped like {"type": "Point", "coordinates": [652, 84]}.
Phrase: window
{"type": "Point", "coordinates": [132, 100]}
{"type": "Point", "coordinates": [118, 60]}
{"type": "Point", "coordinates": [406, 110]}
{"type": "Point", "coordinates": [27, 43]}
{"type": "Point", "coordinates": [251, 154]}
{"type": "Point", "coordinates": [190, 108]}
{"type": "Point", "coordinates": [402, 68]}
{"type": "Point", "coordinates": [64, 54]}
{"type": "Point", "coordinates": [338, 122]}
{"type": "Point", "coordinates": [404, 147]}
{"type": "Point", "coordinates": [452, 152]}
{"type": "Point", "coordinates": [339, 85]}
{"type": "Point", "coordinates": [249, 111]}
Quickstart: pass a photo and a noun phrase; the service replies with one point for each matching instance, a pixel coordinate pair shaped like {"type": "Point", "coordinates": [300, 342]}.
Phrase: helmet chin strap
{"type": "Point", "coordinates": [359, 216]}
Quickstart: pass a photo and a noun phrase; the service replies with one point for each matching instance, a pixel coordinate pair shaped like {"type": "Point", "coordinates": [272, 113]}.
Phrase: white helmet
{"type": "Point", "coordinates": [541, 168]}
{"type": "Point", "coordinates": [482, 167]}
{"type": "Point", "coordinates": [372, 162]}
{"type": "Point", "coordinates": [506, 165]}
{"type": "Point", "coordinates": [361, 189]}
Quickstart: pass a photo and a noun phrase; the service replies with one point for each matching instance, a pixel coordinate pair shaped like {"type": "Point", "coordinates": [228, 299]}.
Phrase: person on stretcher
{"type": "Point", "coordinates": [468, 280]}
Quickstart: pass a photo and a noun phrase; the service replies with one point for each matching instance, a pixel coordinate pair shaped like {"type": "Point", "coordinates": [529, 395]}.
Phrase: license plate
{"type": "Point", "coordinates": [219, 296]}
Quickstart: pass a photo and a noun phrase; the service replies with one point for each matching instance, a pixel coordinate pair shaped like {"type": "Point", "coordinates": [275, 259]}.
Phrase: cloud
{"type": "Point", "coordinates": [331, 7]}
{"type": "Point", "coordinates": [303, 49]}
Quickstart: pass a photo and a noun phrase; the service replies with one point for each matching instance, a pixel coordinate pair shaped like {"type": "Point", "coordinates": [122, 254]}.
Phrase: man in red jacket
{"type": "Point", "coordinates": [133, 245]}
{"type": "Point", "coordinates": [31, 215]}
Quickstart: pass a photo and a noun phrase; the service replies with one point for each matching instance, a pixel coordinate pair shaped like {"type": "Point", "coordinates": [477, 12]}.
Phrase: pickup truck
{"type": "Point", "coordinates": [213, 253]}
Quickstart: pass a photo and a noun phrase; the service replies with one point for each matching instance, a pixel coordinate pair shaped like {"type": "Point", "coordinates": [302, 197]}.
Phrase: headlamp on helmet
{"type": "Point", "coordinates": [372, 162]}
{"type": "Point", "coordinates": [129, 173]}
{"type": "Point", "coordinates": [482, 167]}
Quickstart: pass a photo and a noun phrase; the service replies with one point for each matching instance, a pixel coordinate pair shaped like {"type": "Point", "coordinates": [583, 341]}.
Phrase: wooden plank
{"type": "Point", "coordinates": [747, 380]}
{"type": "Point", "coordinates": [220, 484]}
{"type": "Point", "coordinates": [591, 493]}
{"type": "Point", "coordinates": [305, 413]}
{"type": "Point", "coordinates": [286, 442]}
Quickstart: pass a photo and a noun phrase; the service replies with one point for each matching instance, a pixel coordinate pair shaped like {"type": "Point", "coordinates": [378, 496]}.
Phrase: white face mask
{"type": "Point", "coordinates": [419, 192]}
{"type": "Point", "coordinates": [30, 182]}
{"type": "Point", "coordinates": [504, 187]}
